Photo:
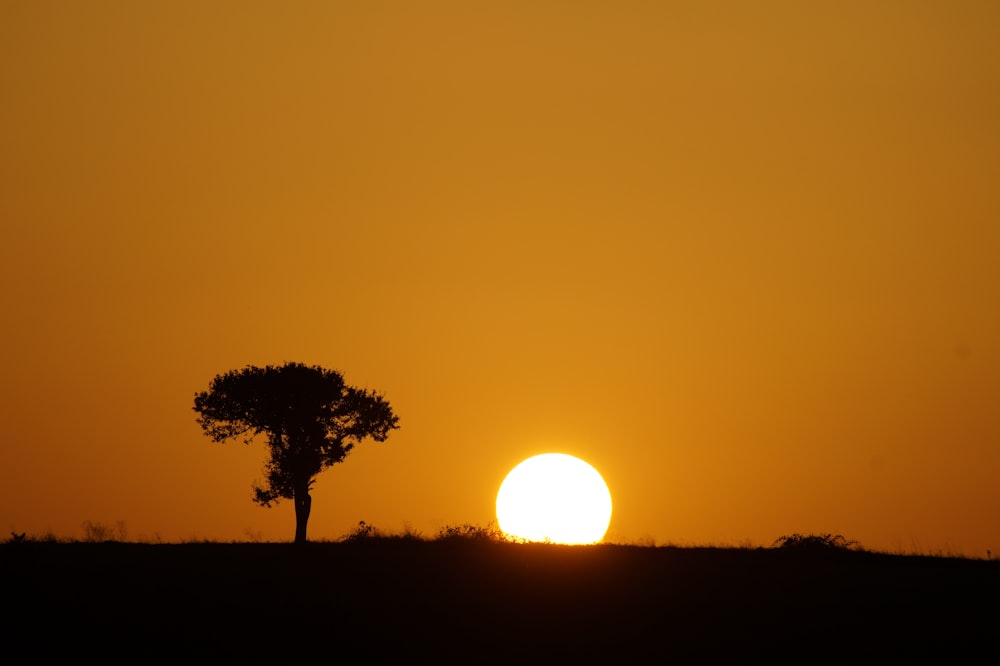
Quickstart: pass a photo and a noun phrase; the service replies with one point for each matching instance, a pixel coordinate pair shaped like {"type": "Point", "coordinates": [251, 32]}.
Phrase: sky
{"type": "Point", "coordinates": [741, 257]}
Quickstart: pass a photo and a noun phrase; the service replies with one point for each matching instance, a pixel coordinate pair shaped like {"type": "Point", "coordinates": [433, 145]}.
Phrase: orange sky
{"type": "Point", "coordinates": [741, 257]}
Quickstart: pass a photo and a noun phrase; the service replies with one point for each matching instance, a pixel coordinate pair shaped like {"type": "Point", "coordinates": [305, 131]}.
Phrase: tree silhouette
{"type": "Point", "coordinates": [310, 418]}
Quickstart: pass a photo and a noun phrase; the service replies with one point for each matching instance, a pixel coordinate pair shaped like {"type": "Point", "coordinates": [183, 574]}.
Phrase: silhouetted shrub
{"type": "Point", "coordinates": [814, 542]}
{"type": "Point", "coordinates": [95, 532]}
{"type": "Point", "coordinates": [469, 532]}
{"type": "Point", "coordinates": [362, 532]}
{"type": "Point", "coordinates": [365, 532]}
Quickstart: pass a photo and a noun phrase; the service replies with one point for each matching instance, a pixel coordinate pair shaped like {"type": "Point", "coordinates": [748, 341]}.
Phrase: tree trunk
{"type": "Point", "coordinates": [303, 504]}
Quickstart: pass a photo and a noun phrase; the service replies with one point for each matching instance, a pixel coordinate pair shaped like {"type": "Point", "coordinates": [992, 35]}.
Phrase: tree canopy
{"type": "Point", "coordinates": [309, 417]}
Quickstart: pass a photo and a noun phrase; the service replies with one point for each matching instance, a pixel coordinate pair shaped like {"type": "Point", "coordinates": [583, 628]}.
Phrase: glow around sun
{"type": "Point", "coordinates": [554, 497]}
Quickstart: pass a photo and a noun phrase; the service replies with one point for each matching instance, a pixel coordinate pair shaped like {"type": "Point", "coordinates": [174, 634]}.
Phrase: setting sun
{"type": "Point", "coordinates": [554, 497]}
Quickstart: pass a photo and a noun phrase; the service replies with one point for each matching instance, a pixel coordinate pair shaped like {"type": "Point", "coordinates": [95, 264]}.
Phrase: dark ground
{"type": "Point", "coordinates": [469, 602]}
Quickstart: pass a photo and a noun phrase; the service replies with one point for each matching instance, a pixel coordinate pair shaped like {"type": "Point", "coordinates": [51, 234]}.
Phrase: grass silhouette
{"type": "Point", "coordinates": [99, 532]}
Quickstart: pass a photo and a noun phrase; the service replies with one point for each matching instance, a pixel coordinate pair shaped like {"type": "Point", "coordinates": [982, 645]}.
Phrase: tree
{"type": "Point", "coordinates": [310, 418]}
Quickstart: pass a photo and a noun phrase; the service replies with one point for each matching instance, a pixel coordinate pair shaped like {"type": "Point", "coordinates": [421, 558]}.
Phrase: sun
{"type": "Point", "coordinates": [554, 497]}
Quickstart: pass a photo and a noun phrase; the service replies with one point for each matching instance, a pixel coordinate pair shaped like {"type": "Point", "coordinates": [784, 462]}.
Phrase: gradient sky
{"type": "Point", "coordinates": [742, 257]}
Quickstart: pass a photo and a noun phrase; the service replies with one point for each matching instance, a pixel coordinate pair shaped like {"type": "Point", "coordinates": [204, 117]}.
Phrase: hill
{"type": "Point", "coordinates": [472, 602]}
